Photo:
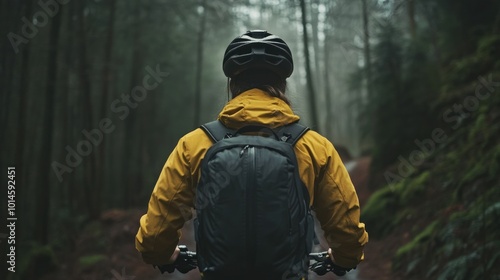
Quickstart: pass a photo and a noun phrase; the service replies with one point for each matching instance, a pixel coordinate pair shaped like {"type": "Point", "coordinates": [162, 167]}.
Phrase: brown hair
{"type": "Point", "coordinates": [264, 80]}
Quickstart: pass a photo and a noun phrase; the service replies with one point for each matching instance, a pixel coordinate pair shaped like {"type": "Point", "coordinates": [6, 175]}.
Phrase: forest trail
{"type": "Point", "coordinates": [377, 264]}
{"type": "Point", "coordinates": [121, 261]}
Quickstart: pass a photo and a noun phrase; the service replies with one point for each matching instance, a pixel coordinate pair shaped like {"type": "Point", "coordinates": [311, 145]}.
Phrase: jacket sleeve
{"type": "Point", "coordinates": [337, 208]}
{"type": "Point", "coordinates": [168, 209]}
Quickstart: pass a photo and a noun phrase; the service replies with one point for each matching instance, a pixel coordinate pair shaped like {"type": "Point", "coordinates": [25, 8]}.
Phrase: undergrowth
{"type": "Point", "coordinates": [450, 206]}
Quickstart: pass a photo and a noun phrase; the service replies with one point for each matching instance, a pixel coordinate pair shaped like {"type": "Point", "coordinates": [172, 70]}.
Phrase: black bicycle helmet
{"type": "Point", "coordinates": [258, 49]}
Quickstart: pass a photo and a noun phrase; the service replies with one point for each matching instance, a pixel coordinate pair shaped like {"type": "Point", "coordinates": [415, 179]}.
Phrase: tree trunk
{"type": "Point", "coordinates": [23, 102]}
{"type": "Point", "coordinates": [44, 190]}
{"type": "Point", "coordinates": [310, 86]}
{"type": "Point", "coordinates": [434, 35]}
{"type": "Point", "coordinates": [315, 41]}
{"type": "Point", "coordinates": [10, 13]}
{"type": "Point", "coordinates": [328, 92]}
{"type": "Point", "coordinates": [91, 193]}
{"type": "Point", "coordinates": [106, 83]}
{"type": "Point", "coordinates": [68, 191]}
{"type": "Point", "coordinates": [367, 51]}
{"type": "Point", "coordinates": [199, 64]}
{"type": "Point", "coordinates": [130, 149]}
{"type": "Point", "coordinates": [411, 18]}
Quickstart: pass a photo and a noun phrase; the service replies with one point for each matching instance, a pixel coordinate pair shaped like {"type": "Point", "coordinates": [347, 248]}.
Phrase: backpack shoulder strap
{"type": "Point", "coordinates": [291, 133]}
{"type": "Point", "coordinates": [217, 131]}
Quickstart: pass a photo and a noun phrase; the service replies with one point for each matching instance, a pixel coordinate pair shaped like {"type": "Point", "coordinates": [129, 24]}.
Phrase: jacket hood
{"type": "Point", "coordinates": [256, 107]}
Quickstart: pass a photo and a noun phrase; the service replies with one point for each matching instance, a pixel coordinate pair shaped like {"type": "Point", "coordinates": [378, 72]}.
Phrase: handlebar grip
{"type": "Point", "coordinates": [324, 264]}
{"type": "Point", "coordinates": [185, 262]}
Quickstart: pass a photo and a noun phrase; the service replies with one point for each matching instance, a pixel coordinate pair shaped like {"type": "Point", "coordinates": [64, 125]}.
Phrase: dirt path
{"type": "Point", "coordinates": [377, 263]}
{"type": "Point", "coordinates": [378, 253]}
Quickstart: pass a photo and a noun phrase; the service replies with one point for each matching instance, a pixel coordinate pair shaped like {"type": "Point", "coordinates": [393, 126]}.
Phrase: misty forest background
{"type": "Point", "coordinates": [411, 84]}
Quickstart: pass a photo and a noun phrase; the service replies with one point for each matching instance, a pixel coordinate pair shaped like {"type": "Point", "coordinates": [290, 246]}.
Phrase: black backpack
{"type": "Point", "coordinates": [253, 216]}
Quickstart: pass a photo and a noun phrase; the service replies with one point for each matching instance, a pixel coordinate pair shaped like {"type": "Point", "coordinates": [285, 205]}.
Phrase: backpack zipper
{"type": "Point", "coordinates": [243, 150]}
{"type": "Point", "coordinates": [251, 207]}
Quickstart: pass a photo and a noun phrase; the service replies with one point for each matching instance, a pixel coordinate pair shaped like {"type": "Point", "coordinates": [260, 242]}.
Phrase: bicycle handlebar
{"type": "Point", "coordinates": [187, 261]}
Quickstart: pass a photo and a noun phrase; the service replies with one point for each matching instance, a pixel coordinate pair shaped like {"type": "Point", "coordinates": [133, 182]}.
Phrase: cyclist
{"type": "Point", "coordinates": [257, 65]}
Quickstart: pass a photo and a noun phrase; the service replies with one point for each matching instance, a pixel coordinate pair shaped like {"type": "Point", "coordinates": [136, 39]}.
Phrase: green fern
{"type": "Point", "coordinates": [458, 269]}
{"type": "Point", "coordinates": [420, 239]}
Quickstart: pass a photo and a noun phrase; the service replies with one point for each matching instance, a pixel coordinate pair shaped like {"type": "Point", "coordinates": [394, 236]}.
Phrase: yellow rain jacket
{"type": "Point", "coordinates": [333, 197]}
